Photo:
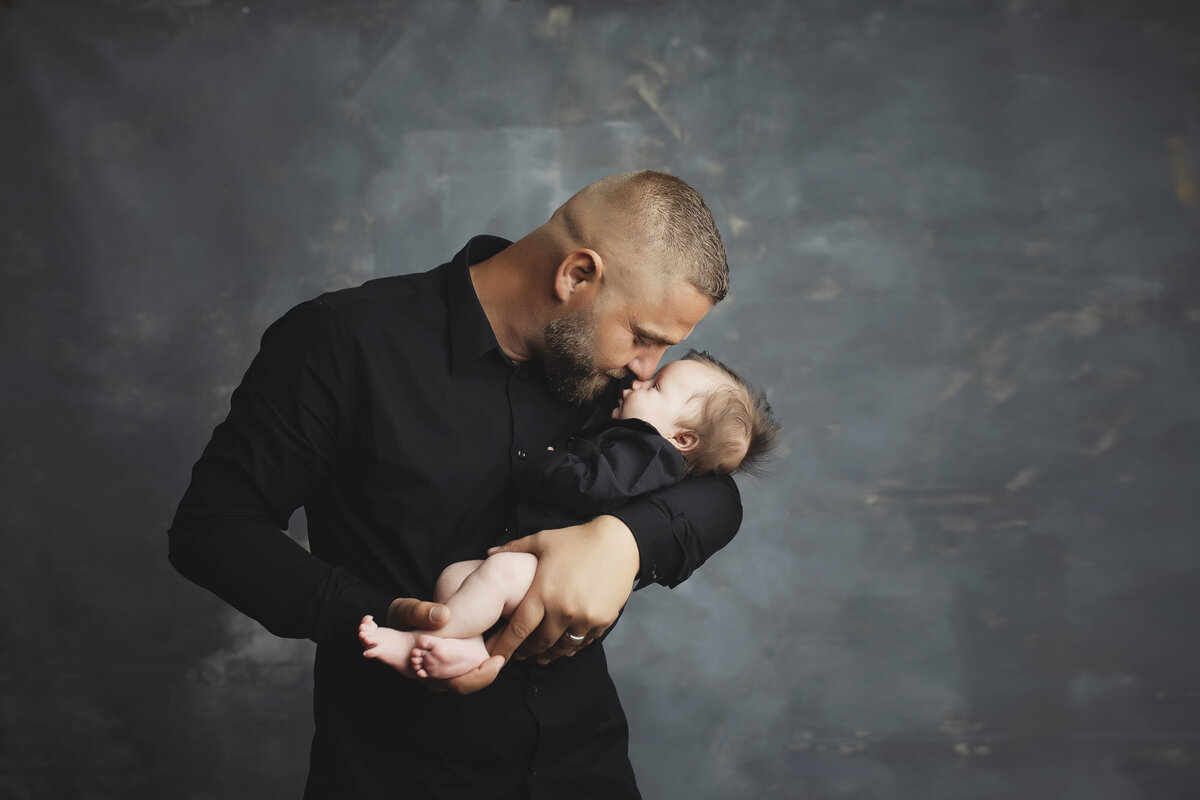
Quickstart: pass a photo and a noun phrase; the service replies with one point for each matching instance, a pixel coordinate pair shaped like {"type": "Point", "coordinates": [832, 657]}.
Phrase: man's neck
{"type": "Point", "coordinates": [508, 299]}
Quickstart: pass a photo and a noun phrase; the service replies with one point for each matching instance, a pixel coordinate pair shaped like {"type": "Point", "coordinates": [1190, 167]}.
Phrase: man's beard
{"type": "Point", "coordinates": [569, 358]}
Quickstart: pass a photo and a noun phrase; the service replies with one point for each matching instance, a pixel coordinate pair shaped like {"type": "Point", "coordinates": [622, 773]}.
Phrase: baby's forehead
{"type": "Point", "coordinates": [696, 375]}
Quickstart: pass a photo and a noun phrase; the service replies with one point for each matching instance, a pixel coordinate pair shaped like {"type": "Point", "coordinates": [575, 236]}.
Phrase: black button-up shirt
{"type": "Point", "coordinates": [390, 413]}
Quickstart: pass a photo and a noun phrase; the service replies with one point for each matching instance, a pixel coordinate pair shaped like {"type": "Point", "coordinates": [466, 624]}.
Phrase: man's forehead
{"type": "Point", "coordinates": [669, 318]}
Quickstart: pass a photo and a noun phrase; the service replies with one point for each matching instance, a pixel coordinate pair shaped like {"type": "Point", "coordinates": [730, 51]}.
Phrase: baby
{"type": "Point", "coordinates": [693, 416]}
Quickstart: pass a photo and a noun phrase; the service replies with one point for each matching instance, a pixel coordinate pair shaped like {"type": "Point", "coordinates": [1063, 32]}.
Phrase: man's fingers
{"type": "Point", "coordinates": [525, 620]}
{"type": "Point", "coordinates": [567, 645]}
{"type": "Point", "coordinates": [582, 645]}
{"type": "Point", "coordinates": [542, 640]}
{"type": "Point", "coordinates": [479, 678]}
{"type": "Point", "coordinates": [526, 544]}
{"type": "Point", "coordinates": [406, 613]}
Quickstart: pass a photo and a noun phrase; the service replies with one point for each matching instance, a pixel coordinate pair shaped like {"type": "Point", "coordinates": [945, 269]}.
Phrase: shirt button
{"type": "Point", "coordinates": [521, 454]}
{"type": "Point", "coordinates": [534, 690]}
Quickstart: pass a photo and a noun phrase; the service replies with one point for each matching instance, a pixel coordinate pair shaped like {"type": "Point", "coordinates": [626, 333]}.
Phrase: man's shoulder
{"type": "Point", "coordinates": [381, 293]}
{"type": "Point", "coordinates": [401, 308]}
{"type": "Point", "coordinates": [395, 307]}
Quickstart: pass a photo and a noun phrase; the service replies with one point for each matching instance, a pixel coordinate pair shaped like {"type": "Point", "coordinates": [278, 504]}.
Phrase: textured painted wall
{"type": "Point", "coordinates": [966, 241]}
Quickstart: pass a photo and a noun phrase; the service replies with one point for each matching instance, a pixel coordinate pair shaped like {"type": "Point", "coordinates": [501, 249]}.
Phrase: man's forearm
{"type": "Point", "coordinates": [679, 528]}
{"type": "Point", "coordinates": [262, 572]}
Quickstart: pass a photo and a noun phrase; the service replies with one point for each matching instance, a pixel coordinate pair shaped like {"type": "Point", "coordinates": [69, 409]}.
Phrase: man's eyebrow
{"type": "Point", "coordinates": [651, 336]}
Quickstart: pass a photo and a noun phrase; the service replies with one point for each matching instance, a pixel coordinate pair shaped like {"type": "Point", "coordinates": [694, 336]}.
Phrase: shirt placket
{"type": "Point", "coordinates": [525, 393]}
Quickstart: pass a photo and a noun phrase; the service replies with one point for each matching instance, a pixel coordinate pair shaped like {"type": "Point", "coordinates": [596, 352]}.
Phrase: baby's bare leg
{"type": "Point", "coordinates": [389, 645]}
{"type": "Point", "coordinates": [452, 577]}
{"type": "Point", "coordinates": [487, 593]}
{"type": "Point", "coordinates": [491, 591]}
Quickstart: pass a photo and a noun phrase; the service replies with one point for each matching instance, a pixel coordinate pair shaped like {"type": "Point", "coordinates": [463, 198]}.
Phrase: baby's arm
{"type": "Point", "coordinates": [593, 474]}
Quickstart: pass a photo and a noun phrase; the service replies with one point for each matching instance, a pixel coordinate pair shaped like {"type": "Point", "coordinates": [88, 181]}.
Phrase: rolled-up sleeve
{"type": "Point", "coordinates": [278, 444]}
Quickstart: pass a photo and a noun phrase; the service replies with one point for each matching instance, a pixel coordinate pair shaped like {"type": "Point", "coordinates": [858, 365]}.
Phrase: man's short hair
{"type": "Point", "coordinates": [665, 216]}
{"type": "Point", "coordinates": [736, 429]}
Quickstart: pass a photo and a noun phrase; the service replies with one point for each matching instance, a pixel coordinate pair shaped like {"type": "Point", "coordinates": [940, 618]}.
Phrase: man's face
{"type": "Point", "coordinates": [585, 350]}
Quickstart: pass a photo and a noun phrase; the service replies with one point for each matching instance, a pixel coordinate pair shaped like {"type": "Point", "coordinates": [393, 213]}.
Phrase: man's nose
{"type": "Point", "coordinates": [644, 365]}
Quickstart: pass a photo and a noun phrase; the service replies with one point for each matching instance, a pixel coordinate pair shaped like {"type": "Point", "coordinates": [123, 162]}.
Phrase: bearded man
{"type": "Point", "coordinates": [395, 413]}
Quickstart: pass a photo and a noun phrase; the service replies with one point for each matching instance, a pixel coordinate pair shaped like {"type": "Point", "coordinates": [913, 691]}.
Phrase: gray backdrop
{"type": "Point", "coordinates": [965, 246]}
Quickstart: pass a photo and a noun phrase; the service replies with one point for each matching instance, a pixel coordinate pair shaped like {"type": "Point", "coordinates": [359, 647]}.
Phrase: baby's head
{"type": "Point", "coordinates": [710, 414]}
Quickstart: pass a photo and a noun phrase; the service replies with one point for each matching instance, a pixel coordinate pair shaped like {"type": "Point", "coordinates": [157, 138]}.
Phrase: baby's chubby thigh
{"type": "Point", "coordinates": [509, 575]}
{"type": "Point", "coordinates": [452, 577]}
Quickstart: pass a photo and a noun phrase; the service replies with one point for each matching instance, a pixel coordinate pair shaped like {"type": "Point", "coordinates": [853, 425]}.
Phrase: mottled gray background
{"type": "Point", "coordinates": [966, 242]}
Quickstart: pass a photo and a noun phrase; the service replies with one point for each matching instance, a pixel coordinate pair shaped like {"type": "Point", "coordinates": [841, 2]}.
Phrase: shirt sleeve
{"type": "Point", "coordinates": [277, 445]}
{"type": "Point", "coordinates": [677, 529]}
{"type": "Point", "coordinates": [595, 473]}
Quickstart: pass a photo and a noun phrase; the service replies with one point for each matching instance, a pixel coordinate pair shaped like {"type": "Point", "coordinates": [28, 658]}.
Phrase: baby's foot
{"type": "Point", "coordinates": [389, 645]}
{"type": "Point", "coordinates": [434, 657]}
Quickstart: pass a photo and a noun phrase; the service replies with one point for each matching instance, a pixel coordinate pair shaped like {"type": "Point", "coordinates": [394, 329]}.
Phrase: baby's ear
{"type": "Point", "coordinates": [685, 441]}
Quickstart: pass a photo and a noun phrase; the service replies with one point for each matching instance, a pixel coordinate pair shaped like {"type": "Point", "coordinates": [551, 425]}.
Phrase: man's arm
{"type": "Point", "coordinates": [278, 443]}
{"type": "Point", "coordinates": [680, 528]}
{"type": "Point", "coordinates": [586, 572]}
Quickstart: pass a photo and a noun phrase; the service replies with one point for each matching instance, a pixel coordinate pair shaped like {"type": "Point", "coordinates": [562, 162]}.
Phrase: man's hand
{"type": "Point", "coordinates": [479, 678]}
{"type": "Point", "coordinates": [584, 576]}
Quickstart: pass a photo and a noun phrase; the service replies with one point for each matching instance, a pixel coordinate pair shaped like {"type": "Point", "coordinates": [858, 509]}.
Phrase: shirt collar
{"type": "Point", "coordinates": [471, 335]}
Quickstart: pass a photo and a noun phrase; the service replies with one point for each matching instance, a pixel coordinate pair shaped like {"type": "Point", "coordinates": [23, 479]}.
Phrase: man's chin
{"type": "Point", "coordinates": [582, 389]}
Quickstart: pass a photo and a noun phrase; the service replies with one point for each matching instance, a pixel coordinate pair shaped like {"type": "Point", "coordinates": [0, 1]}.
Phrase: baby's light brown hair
{"type": "Point", "coordinates": [736, 428]}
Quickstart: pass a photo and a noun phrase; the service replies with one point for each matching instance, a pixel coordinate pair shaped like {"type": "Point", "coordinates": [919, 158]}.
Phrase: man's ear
{"type": "Point", "coordinates": [686, 441]}
{"type": "Point", "coordinates": [578, 275]}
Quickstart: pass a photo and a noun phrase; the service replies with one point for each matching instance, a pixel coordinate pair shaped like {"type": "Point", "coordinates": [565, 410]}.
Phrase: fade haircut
{"type": "Point", "coordinates": [735, 428]}
{"type": "Point", "coordinates": [664, 215]}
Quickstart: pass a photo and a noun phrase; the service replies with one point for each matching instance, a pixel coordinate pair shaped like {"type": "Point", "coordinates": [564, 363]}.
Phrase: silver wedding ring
{"type": "Point", "coordinates": [573, 637]}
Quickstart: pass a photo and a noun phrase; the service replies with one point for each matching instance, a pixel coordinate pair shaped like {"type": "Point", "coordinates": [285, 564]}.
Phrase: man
{"type": "Point", "coordinates": [395, 413]}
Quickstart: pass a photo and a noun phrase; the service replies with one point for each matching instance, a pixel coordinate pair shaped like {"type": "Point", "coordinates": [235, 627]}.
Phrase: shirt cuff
{"type": "Point", "coordinates": [659, 553]}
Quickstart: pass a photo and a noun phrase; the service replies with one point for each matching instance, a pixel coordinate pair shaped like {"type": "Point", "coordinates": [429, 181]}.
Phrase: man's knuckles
{"type": "Point", "coordinates": [521, 628]}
